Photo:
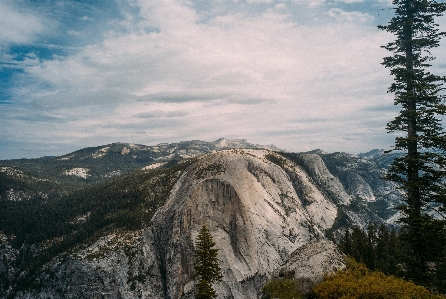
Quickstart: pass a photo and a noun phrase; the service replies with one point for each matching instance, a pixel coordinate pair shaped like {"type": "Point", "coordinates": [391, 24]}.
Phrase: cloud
{"type": "Point", "coordinates": [235, 76]}
{"type": "Point", "coordinates": [310, 3]}
{"type": "Point", "coordinates": [350, 1]}
{"type": "Point", "coordinates": [251, 56]}
{"type": "Point", "coordinates": [386, 2]}
{"type": "Point", "coordinates": [352, 16]}
{"type": "Point", "coordinates": [259, 1]}
{"type": "Point", "coordinates": [19, 25]}
{"type": "Point", "coordinates": [237, 73]}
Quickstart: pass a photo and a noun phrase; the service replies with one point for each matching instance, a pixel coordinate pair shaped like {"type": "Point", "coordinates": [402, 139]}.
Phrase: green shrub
{"type": "Point", "coordinates": [282, 289]}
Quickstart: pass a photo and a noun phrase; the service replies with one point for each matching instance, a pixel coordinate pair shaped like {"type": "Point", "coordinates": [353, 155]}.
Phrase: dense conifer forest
{"type": "Point", "coordinates": [61, 221]}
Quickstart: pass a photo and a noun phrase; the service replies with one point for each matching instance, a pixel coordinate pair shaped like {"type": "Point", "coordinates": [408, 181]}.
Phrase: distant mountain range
{"type": "Point", "coordinates": [102, 162]}
{"type": "Point", "coordinates": [118, 220]}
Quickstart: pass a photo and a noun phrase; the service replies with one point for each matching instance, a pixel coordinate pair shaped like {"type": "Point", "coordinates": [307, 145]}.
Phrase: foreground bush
{"type": "Point", "coordinates": [356, 281]}
{"type": "Point", "coordinates": [282, 289]}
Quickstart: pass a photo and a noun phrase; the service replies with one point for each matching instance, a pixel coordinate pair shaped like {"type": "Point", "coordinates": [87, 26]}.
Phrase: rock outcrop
{"type": "Point", "coordinates": [310, 263]}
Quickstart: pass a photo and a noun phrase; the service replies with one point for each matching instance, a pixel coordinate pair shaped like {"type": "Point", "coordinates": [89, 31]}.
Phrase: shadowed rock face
{"type": "Point", "coordinates": [116, 266]}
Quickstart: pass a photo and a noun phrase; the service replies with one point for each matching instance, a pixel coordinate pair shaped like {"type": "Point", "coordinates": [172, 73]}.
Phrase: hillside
{"type": "Point", "coordinates": [74, 217]}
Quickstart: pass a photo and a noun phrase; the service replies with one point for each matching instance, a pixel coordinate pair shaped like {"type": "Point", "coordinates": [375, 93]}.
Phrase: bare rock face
{"type": "Point", "coordinates": [116, 266]}
{"type": "Point", "coordinates": [310, 263]}
{"type": "Point", "coordinates": [331, 184]}
{"type": "Point", "coordinates": [254, 213]}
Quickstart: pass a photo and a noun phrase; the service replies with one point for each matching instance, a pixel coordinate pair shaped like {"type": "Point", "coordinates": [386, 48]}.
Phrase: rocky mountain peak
{"type": "Point", "coordinates": [252, 210]}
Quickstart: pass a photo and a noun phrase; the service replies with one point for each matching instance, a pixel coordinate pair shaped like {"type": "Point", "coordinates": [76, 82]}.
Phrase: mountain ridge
{"type": "Point", "coordinates": [101, 162]}
{"type": "Point", "coordinates": [262, 206]}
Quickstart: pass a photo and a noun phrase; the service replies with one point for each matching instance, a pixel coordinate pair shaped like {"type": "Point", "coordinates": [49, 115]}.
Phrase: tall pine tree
{"type": "Point", "coordinates": [206, 266]}
{"type": "Point", "coordinates": [420, 171]}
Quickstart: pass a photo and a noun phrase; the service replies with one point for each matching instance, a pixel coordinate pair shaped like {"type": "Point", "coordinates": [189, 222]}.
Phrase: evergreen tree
{"type": "Point", "coordinates": [421, 169]}
{"type": "Point", "coordinates": [346, 243]}
{"type": "Point", "coordinates": [360, 249]}
{"type": "Point", "coordinates": [206, 265]}
{"type": "Point", "coordinates": [205, 290]}
{"type": "Point", "coordinates": [381, 249]}
{"type": "Point", "coordinates": [394, 255]}
{"type": "Point", "coordinates": [376, 247]}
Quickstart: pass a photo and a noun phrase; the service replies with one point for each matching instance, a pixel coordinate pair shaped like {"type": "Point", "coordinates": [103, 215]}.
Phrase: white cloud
{"type": "Point", "coordinates": [19, 26]}
{"type": "Point", "coordinates": [265, 77]}
{"type": "Point", "coordinates": [351, 16]}
{"type": "Point", "coordinates": [253, 57]}
{"type": "Point", "coordinates": [349, 1]}
{"type": "Point", "coordinates": [386, 2]}
{"type": "Point", "coordinates": [310, 3]}
{"type": "Point", "coordinates": [259, 1]}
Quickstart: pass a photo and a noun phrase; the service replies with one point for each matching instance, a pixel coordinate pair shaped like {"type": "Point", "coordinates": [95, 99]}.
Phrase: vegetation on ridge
{"type": "Point", "coordinates": [356, 281]}
{"type": "Point", "coordinates": [43, 229]}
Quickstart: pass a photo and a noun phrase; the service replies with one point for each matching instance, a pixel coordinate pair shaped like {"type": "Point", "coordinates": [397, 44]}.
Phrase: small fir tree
{"type": "Point", "coordinates": [207, 268]}
{"type": "Point", "coordinates": [205, 290]}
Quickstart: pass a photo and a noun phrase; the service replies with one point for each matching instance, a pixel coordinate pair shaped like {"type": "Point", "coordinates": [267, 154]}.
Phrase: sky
{"type": "Point", "coordinates": [299, 74]}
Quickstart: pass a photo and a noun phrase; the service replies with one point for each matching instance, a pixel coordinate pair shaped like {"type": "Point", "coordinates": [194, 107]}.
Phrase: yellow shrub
{"type": "Point", "coordinates": [358, 282]}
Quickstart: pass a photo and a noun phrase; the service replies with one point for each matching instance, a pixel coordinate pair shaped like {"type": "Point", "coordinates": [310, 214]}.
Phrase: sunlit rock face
{"type": "Point", "coordinates": [316, 168]}
{"type": "Point", "coordinates": [254, 213]}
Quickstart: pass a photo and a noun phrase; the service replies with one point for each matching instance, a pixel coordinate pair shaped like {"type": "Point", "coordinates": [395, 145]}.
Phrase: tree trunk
{"type": "Point", "coordinates": [413, 191]}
